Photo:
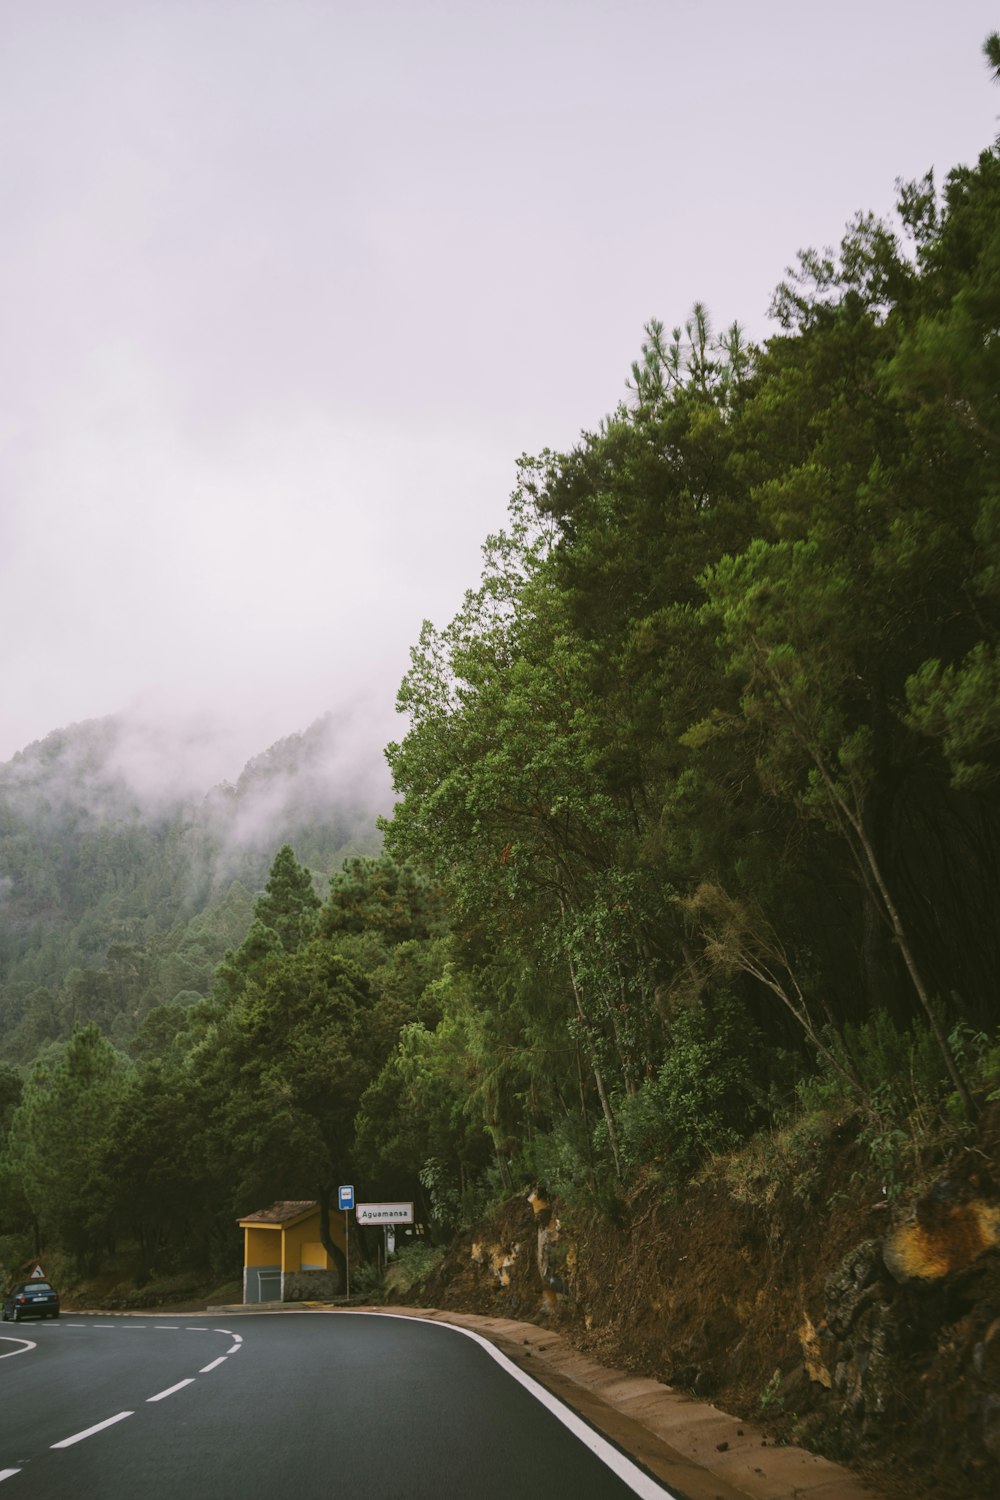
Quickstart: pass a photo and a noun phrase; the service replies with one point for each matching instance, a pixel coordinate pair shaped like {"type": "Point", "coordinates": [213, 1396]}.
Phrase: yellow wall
{"type": "Point", "coordinates": [294, 1237]}
{"type": "Point", "coordinates": [305, 1233]}
{"type": "Point", "coordinates": [288, 1245]}
{"type": "Point", "coordinates": [261, 1245]}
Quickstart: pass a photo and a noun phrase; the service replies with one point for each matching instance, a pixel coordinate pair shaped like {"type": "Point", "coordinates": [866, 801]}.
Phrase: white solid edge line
{"type": "Point", "coordinates": [639, 1483]}
{"type": "Point", "coordinates": [78, 1437]}
{"type": "Point", "coordinates": [205, 1368]}
{"type": "Point", "coordinates": [170, 1389]}
{"type": "Point", "coordinates": [8, 1473]}
{"type": "Point", "coordinates": [26, 1343]}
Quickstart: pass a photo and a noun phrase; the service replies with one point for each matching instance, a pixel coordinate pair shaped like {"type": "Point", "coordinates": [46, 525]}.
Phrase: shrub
{"type": "Point", "coordinates": [700, 1100]}
{"type": "Point", "coordinates": [411, 1264]}
{"type": "Point", "coordinates": [368, 1281]}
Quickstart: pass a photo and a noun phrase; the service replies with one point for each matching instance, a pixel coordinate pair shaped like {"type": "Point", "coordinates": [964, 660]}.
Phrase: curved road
{"type": "Point", "coordinates": [299, 1404]}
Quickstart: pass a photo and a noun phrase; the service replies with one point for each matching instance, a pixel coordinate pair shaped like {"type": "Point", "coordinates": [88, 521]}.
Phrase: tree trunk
{"type": "Point", "coordinates": [609, 1118]}
{"type": "Point", "coordinates": [871, 872]}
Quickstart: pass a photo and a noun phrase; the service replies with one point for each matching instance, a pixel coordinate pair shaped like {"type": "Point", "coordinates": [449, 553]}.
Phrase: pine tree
{"type": "Point", "coordinates": [289, 904]}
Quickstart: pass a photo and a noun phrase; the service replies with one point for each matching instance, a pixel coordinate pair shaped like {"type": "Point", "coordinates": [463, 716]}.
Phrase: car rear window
{"type": "Point", "coordinates": [37, 1286]}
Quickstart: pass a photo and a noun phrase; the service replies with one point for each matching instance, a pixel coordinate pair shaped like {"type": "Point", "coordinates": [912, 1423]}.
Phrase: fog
{"type": "Point", "coordinates": [289, 285]}
{"type": "Point", "coordinates": [121, 790]}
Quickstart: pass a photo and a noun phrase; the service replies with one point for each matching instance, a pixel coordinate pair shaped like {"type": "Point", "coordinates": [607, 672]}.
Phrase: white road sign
{"type": "Point", "coordinates": [384, 1213]}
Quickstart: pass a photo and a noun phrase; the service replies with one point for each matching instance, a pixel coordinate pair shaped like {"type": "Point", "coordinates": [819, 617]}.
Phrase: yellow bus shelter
{"type": "Point", "coordinates": [284, 1259]}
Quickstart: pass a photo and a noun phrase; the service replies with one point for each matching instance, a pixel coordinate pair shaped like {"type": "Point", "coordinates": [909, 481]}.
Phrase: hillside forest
{"type": "Point", "coordinates": [696, 831]}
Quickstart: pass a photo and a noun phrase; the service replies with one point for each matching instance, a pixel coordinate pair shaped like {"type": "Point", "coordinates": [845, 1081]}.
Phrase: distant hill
{"type": "Point", "coordinates": [120, 892]}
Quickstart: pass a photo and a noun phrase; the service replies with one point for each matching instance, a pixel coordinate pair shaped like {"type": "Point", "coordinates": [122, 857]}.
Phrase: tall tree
{"type": "Point", "coordinates": [60, 1141]}
{"type": "Point", "coordinates": [289, 904]}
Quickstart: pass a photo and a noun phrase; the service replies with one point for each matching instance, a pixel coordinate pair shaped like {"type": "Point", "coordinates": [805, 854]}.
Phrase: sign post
{"type": "Point", "coordinates": [388, 1215]}
{"type": "Point", "coordinates": [346, 1200]}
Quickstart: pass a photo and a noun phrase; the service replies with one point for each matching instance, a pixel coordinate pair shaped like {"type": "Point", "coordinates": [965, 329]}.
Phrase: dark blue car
{"type": "Point", "coordinates": [31, 1299]}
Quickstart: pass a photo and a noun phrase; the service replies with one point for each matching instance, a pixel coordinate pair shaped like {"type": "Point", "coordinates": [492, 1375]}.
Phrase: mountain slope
{"type": "Point", "coordinates": [118, 892]}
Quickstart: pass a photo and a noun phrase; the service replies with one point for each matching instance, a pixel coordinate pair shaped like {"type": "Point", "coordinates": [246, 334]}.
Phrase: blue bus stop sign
{"type": "Point", "coordinates": [346, 1198]}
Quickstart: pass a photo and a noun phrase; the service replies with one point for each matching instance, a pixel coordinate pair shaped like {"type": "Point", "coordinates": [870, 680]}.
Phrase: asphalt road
{"type": "Point", "coordinates": [303, 1405]}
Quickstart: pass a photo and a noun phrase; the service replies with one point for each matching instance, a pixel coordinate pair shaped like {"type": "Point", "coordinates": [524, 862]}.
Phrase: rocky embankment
{"type": "Point", "coordinates": [863, 1326]}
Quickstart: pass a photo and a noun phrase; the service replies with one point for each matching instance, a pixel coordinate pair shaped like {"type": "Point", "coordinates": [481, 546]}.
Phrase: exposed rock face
{"type": "Point", "coordinates": [910, 1339]}
{"type": "Point", "coordinates": [548, 1251]}
{"type": "Point", "coordinates": [813, 1353]}
{"type": "Point", "coordinates": [497, 1260]}
{"type": "Point", "coordinates": [859, 1342]}
{"type": "Point", "coordinates": [919, 1359]}
{"type": "Point", "coordinates": [879, 1350]}
{"type": "Point", "coordinates": [948, 1230]}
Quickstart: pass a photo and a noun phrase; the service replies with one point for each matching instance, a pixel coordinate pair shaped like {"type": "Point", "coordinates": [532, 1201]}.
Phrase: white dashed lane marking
{"type": "Point", "coordinates": [170, 1389]}
{"type": "Point", "coordinates": [78, 1437]}
{"type": "Point", "coordinates": [8, 1473]}
{"type": "Point", "coordinates": [87, 1432]}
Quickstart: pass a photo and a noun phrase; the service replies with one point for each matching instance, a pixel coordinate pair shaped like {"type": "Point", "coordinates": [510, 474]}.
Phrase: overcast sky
{"type": "Point", "coordinates": [287, 286]}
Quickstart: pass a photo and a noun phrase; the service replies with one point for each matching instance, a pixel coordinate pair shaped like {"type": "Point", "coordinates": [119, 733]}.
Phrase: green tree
{"type": "Point", "coordinates": [286, 1062]}
{"type": "Point", "coordinates": [164, 1194]}
{"type": "Point", "coordinates": [60, 1140]}
{"type": "Point", "coordinates": [15, 1214]}
{"type": "Point", "coordinates": [289, 904]}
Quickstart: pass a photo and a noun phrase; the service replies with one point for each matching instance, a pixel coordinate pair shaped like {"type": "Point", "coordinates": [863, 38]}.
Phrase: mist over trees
{"type": "Point", "coordinates": [117, 895]}
{"type": "Point", "coordinates": [698, 817]}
